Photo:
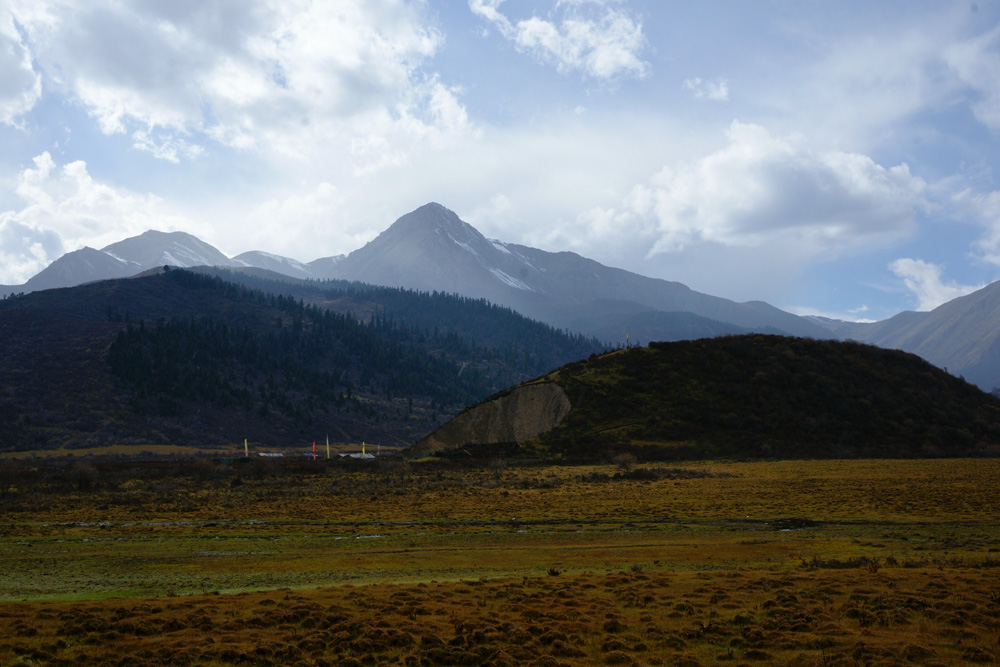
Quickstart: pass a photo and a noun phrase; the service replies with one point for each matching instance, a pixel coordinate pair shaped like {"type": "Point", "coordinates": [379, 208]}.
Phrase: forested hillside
{"type": "Point", "coordinates": [192, 359]}
{"type": "Point", "coordinates": [454, 320]}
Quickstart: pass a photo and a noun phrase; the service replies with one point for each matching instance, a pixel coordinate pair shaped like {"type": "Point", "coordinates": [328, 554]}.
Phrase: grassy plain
{"type": "Point", "coordinates": [785, 562]}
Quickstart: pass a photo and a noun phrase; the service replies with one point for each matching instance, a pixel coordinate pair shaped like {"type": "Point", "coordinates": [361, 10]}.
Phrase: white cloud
{"type": "Point", "coordinates": [976, 62]}
{"type": "Point", "coordinates": [850, 315]}
{"type": "Point", "coordinates": [888, 78]}
{"type": "Point", "coordinates": [865, 85]}
{"type": "Point", "coordinates": [20, 84]}
{"type": "Point", "coordinates": [497, 209]}
{"type": "Point", "coordinates": [924, 280]}
{"type": "Point", "coordinates": [760, 188]}
{"type": "Point", "coordinates": [288, 224]}
{"type": "Point", "coordinates": [169, 148]}
{"type": "Point", "coordinates": [744, 219]}
{"type": "Point", "coordinates": [961, 199]}
{"type": "Point", "coordinates": [25, 250]}
{"type": "Point", "coordinates": [66, 209]}
{"type": "Point", "coordinates": [300, 79]}
{"type": "Point", "coordinates": [590, 37]}
{"type": "Point", "coordinates": [717, 91]}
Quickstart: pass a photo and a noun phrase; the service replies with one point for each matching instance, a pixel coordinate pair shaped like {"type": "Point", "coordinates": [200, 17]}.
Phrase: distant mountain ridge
{"type": "Point", "coordinates": [153, 249]}
{"type": "Point", "coordinates": [79, 267]}
{"type": "Point", "coordinates": [432, 249]}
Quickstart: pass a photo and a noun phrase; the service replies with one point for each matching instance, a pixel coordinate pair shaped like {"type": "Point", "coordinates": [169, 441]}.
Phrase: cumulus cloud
{"type": "Point", "coordinates": [20, 84]}
{"type": "Point", "coordinates": [924, 280]}
{"type": "Point", "coordinates": [761, 188]}
{"type": "Point", "coordinates": [593, 38]}
{"type": "Point", "coordinates": [744, 220]}
{"type": "Point", "coordinates": [296, 78]}
{"type": "Point", "coordinates": [65, 209]}
{"type": "Point", "coordinates": [717, 91]}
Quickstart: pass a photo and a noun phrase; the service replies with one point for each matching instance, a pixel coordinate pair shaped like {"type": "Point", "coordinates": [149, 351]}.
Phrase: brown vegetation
{"type": "Point", "coordinates": [829, 617]}
{"type": "Point", "coordinates": [298, 562]}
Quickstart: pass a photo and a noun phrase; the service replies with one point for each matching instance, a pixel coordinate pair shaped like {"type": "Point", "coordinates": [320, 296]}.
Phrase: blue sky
{"type": "Point", "coordinates": [827, 157]}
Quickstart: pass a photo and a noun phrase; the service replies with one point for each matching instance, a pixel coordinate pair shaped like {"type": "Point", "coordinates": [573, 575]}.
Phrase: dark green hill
{"type": "Point", "coordinates": [188, 359]}
{"type": "Point", "coordinates": [749, 396]}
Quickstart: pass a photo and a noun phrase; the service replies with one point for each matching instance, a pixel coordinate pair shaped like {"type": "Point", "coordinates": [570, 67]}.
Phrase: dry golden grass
{"type": "Point", "coordinates": [791, 562]}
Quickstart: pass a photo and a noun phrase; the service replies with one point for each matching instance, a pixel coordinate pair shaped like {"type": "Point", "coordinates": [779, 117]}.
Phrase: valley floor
{"type": "Point", "coordinates": [789, 562]}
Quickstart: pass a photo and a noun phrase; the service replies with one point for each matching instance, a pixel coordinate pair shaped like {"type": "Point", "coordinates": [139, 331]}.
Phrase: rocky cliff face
{"type": "Point", "coordinates": [515, 416]}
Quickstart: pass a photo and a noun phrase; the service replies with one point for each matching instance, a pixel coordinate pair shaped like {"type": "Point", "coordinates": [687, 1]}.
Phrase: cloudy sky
{"type": "Point", "coordinates": [833, 157]}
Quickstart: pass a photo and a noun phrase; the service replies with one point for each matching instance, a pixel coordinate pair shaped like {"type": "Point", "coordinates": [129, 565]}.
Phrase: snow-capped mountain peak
{"type": "Point", "coordinates": [154, 248]}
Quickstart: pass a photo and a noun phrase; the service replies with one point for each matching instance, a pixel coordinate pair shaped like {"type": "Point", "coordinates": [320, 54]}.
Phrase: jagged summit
{"type": "Point", "coordinates": [429, 249]}
{"type": "Point", "coordinates": [433, 218]}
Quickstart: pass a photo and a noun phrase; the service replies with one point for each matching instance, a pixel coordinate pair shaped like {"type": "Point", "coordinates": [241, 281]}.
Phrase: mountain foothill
{"type": "Point", "coordinates": [161, 338]}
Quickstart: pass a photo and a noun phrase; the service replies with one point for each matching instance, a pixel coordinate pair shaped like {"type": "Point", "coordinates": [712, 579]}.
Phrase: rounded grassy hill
{"type": "Point", "coordinates": [738, 396]}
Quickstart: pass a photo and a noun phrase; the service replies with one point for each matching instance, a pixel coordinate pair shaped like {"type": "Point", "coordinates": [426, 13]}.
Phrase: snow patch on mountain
{"type": "Point", "coordinates": [114, 256]}
{"type": "Point", "coordinates": [499, 245]}
{"type": "Point", "coordinates": [464, 245]}
{"type": "Point", "coordinates": [284, 265]}
{"type": "Point", "coordinates": [513, 282]}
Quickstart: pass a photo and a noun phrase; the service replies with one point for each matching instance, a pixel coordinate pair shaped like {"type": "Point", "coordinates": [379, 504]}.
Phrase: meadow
{"type": "Point", "coordinates": [320, 563]}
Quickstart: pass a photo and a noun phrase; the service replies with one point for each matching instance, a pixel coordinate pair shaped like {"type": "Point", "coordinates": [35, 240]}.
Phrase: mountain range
{"type": "Point", "coordinates": [431, 249]}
